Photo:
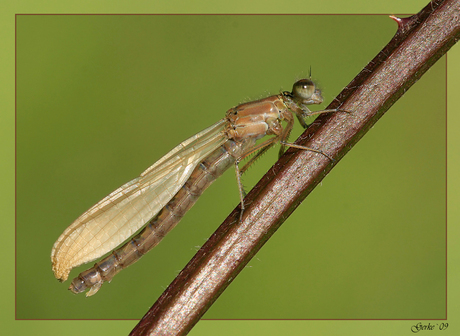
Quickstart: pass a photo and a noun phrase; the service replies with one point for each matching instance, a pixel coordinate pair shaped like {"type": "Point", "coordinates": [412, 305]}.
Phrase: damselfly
{"type": "Point", "coordinates": [163, 193]}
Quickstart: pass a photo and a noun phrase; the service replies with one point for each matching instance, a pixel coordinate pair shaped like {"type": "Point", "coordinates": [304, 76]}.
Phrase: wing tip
{"type": "Point", "coordinates": [60, 272]}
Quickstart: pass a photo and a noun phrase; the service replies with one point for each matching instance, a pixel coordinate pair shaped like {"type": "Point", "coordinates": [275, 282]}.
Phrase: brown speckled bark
{"type": "Point", "coordinates": [420, 41]}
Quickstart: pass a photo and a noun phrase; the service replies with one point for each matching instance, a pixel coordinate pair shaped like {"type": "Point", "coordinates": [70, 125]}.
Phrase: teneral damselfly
{"type": "Point", "coordinates": [164, 192]}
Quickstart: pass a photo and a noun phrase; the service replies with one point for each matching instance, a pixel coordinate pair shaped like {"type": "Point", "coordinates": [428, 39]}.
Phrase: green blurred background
{"type": "Point", "coordinates": [100, 98]}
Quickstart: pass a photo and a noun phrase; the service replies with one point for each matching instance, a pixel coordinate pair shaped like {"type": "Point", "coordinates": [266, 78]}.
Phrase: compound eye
{"type": "Point", "coordinates": [303, 89]}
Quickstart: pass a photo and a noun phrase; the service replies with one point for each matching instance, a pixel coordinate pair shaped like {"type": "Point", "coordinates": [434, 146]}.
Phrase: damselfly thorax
{"type": "Point", "coordinates": [163, 193]}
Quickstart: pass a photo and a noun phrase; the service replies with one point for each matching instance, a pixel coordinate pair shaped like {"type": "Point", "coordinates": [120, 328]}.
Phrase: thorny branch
{"type": "Point", "coordinates": [419, 42]}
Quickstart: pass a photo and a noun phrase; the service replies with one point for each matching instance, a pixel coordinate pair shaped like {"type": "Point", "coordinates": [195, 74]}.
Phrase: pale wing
{"type": "Point", "coordinates": [123, 212]}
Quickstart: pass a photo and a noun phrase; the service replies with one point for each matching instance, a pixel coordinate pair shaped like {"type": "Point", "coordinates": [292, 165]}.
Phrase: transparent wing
{"type": "Point", "coordinates": [119, 215]}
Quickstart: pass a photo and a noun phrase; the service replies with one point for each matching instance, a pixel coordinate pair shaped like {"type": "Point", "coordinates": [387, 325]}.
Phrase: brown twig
{"type": "Point", "coordinates": [419, 42]}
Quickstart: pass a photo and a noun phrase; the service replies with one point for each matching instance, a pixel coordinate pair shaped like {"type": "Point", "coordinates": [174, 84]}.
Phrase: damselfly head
{"type": "Point", "coordinates": [304, 91]}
